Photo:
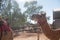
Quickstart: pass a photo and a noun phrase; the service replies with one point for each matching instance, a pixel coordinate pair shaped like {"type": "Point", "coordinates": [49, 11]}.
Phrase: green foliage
{"type": "Point", "coordinates": [32, 7]}
{"type": "Point", "coordinates": [15, 17]}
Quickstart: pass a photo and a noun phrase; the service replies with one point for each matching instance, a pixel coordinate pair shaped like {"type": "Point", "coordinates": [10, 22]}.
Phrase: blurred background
{"type": "Point", "coordinates": [18, 13]}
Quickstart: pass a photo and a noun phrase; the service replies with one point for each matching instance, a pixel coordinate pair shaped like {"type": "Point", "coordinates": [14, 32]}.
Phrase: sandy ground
{"type": "Point", "coordinates": [29, 36]}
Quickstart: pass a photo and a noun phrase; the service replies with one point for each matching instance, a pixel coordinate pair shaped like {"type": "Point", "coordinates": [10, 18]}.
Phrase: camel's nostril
{"type": "Point", "coordinates": [40, 16]}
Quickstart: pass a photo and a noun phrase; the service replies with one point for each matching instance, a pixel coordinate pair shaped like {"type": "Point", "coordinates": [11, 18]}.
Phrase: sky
{"type": "Point", "coordinates": [48, 6]}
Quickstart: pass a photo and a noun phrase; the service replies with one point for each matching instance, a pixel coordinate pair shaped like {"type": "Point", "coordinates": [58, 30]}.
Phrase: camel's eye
{"type": "Point", "coordinates": [40, 16]}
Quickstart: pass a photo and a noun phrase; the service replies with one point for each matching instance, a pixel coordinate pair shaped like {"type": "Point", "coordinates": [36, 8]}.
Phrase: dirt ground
{"type": "Point", "coordinates": [30, 36]}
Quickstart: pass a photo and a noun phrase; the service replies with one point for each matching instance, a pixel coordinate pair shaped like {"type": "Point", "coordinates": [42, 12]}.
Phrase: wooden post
{"type": "Point", "coordinates": [38, 33]}
{"type": "Point", "coordinates": [37, 36]}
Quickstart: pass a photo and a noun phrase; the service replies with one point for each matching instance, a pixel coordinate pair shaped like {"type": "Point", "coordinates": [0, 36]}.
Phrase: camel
{"type": "Point", "coordinates": [6, 32]}
{"type": "Point", "coordinates": [42, 22]}
{"type": "Point", "coordinates": [7, 36]}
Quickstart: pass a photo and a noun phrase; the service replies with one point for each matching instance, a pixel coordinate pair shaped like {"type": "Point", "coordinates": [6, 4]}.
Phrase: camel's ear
{"type": "Point", "coordinates": [44, 14]}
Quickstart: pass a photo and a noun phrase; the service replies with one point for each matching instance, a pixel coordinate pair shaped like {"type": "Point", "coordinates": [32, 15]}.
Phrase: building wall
{"type": "Point", "coordinates": [56, 15]}
{"type": "Point", "coordinates": [56, 18]}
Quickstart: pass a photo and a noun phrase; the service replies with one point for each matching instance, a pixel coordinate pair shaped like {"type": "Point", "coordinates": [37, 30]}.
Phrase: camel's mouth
{"type": "Point", "coordinates": [33, 17]}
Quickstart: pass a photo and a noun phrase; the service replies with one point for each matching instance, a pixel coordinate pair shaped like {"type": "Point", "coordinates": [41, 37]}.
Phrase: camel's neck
{"type": "Point", "coordinates": [45, 27]}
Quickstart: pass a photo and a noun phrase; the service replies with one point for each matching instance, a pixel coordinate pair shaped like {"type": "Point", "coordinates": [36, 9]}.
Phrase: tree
{"type": "Point", "coordinates": [0, 4]}
{"type": "Point", "coordinates": [13, 12]}
{"type": "Point", "coordinates": [18, 17]}
{"type": "Point", "coordinates": [3, 4]}
{"type": "Point", "coordinates": [32, 8]}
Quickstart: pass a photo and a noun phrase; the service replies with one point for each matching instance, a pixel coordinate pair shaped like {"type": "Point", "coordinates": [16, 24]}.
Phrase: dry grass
{"type": "Point", "coordinates": [29, 36]}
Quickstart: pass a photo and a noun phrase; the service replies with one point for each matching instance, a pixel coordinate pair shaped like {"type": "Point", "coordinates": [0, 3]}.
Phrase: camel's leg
{"type": "Point", "coordinates": [10, 35]}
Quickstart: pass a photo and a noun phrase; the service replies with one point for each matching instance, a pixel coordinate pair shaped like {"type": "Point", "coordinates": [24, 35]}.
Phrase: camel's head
{"type": "Point", "coordinates": [39, 17]}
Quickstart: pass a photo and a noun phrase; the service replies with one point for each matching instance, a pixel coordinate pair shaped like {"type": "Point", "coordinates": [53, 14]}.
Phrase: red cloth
{"type": "Point", "coordinates": [5, 27]}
